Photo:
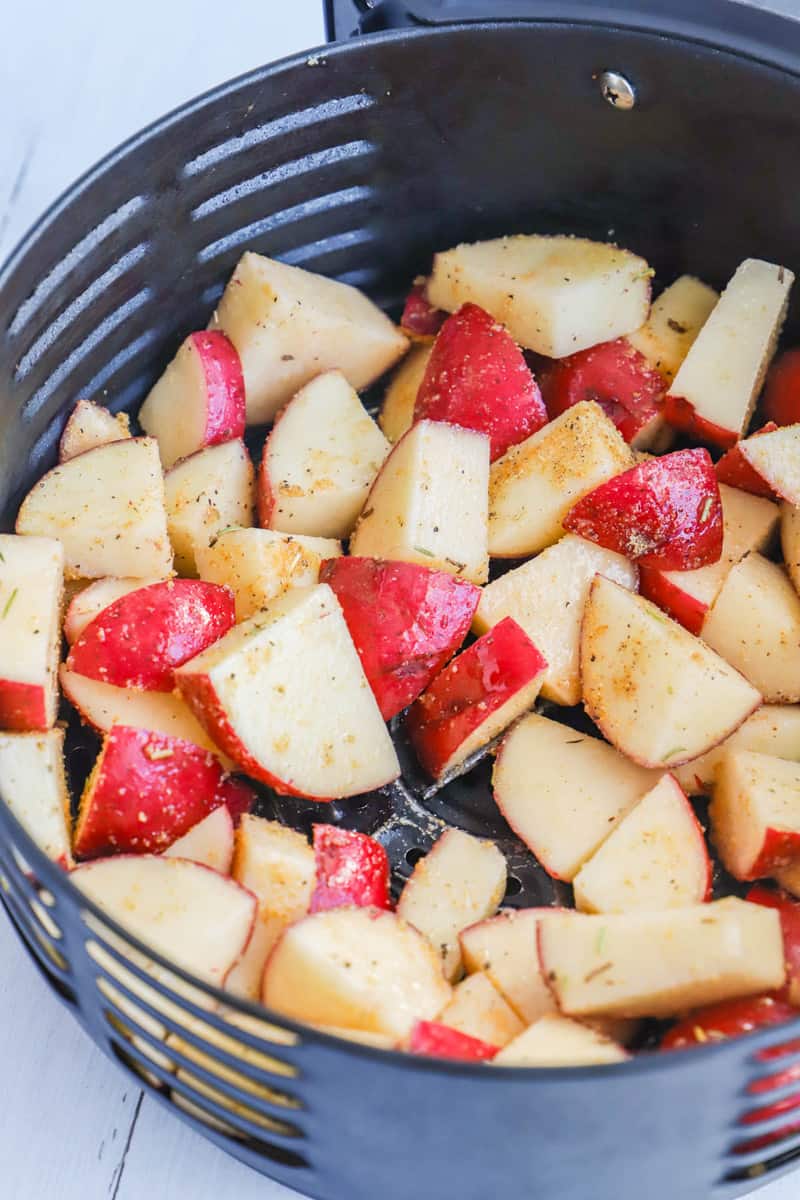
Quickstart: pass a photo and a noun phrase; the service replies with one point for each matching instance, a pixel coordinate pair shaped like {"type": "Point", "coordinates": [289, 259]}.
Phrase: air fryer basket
{"type": "Point", "coordinates": [359, 161]}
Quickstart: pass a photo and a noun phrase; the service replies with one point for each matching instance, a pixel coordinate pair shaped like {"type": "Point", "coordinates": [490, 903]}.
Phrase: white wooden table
{"type": "Point", "coordinates": [76, 78]}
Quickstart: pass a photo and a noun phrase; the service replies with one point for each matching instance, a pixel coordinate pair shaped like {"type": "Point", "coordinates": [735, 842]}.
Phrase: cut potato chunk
{"type": "Point", "coordinates": [555, 295]}
{"type": "Point", "coordinates": [534, 485]}
{"type": "Point", "coordinates": [258, 565]}
{"type": "Point", "coordinates": [357, 968]}
{"type": "Point", "coordinates": [774, 456]}
{"type": "Point", "coordinates": [88, 426]}
{"type": "Point", "coordinates": [91, 601]}
{"type": "Point", "coordinates": [790, 542]}
{"type": "Point", "coordinates": [479, 1010]}
{"type": "Point", "coordinates": [284, 695]}
{"type": "Point", "coordinates": [660, 964]}
{"type": "Point", "coordinates": [556, 1041]}
{"type": "Point", "coordinates": [209, 842]}
{"type": "Point", "coordinates": [505, 948]}
{"type": "Point", "coordinates": [764, 646]}
{"type": "Point", "coordinates": [546, 597]}
{"type": "Point", "coordinates": [657, 693]}
{"type": "Point", "coordinates": [289, 325]}
{"type": "Point", "coordinates": [397, 411]}
{"type": "Point", "coordinates": [675, 320]}
{"type": "Point", "coordinates": [655, 859]}
{"type": "Point", "coordinates": [714, 392]}
{"type": "Point", "coordinates": [31, 587]}
{"type": "Point", "coordinates": [276, 864]}
{"type": "Point", "coordinates": [563, 792]}
{"type": "Point", "coordinates": [320, 461]}
{"type": "Point", "coordinates": [429, 502]}
{"type": "Point", "coordinates": [772, 729]}
{"type": "Point", "coordinates": [107, 509]}
{"type": "Point", "coordinates": [461, 881]}
{"type": "Point", "coordinates": [206, 492]}
{"type": "Point", "coordinates": [755, 813]}
{"type": "Point", "coordinates": [33, 785]}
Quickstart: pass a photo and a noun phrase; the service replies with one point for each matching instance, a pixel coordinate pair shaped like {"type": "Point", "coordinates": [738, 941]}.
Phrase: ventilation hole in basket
{"type": "Point", "coordinates": [414, 855]}
{"type": "Point", "coordinates": [45, 920]}
{"type": "Point", "coordinates": [198, 1111]}
{"type": "Point", "coordinates": [235, 1106]}
{"type": "Point", "coordinates": [513, 887]}
{"type": "Point", "coordinates": [207, 1059]}
{"type": "Point", "coordinates": [52, 952]}
{"type": "Point", "coordinates": [4, 884]}
{"type": "Point", "coordinates": [128, 1060]}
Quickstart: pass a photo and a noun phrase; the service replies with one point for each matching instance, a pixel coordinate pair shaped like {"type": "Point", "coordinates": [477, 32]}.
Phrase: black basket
{"type": "Point", "coordinates": [359, 161]}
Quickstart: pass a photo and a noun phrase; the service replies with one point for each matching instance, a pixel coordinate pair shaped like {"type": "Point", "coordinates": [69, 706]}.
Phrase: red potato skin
{"type": "Point", "coordinates": [145, 791]}
{"type": "Point", "coordinates": [424, 617]}
{"type": "Point", "coordinates": [730, 1018]}
{"type": "Point", "coordinates": [779, 848]}
{"type": "Point", "coordinates": [734, 469]}
{"type": "Point", "coordinates": [420, 320]}
{"type": "Point", "coordinates": [788, 910]}
{"type": "Point", "coordinates": [23, 707]}
{"type": "Point", "coordinates": [224, 380]}
{"type": "Point", "coordinates": [238, 797]}
{"type": "Point", "coordinates": [781, 400]}
{"type": "Point", "coordinates": [689, 612]}
{"type": "Point", "coordinates": [477, 378]}
{"type": "Point", "coordinates": [681, 414]}
{"type": "Point", "coordinates": [140, 639]}
{"type": "Point", "coordinates": [613, 374]}
{"type": "Point", "coordinates": [664, 512]}
{"type": "Point", "coordinates": [352, 870]}
{"type": "Point", "coordinates": [472, 687]}
{"type": "Point", "coordinates": [433, 1040]}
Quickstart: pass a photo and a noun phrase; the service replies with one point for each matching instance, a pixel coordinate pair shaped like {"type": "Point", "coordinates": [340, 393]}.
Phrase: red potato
{"type": "Point", "coordinates": [91, 600]}
{"type": "Point", "coordinates": [655, 859]}
{"type": "Point", "coordinates": [770, 463]}
{"type": "Point", "coordinates": [476, 697]}
{"type": "Point", "coordinates": [205, 493]}
{"type": "Point", "coordinates": [748, 524]}
{"type": "Point", "coordinates": [90, 425]}
{"type": "Point", "coordinates": [730, 1018]}
{"type": "Point", "coordinates": [477, 378]}
{"type": "Point", "coordinates": [356, 968]}
{"type": "Point", "coordinates": [664, 512]}
{"type": "Point", "coordinates": [198, 401]}
{"type": "Point", "coordinates": [755, 813]}
{"type": "Point", "coordinates": [352, 869]}
{"type": "Point", "coordinates": [397, 410]}
{"type": "Point", "coordinates": [772, 729]}
{"type": "Point", "coordinates": [675, 320]}
{"type": "Point", "coordinates": [714, 392]}
{"type": "Point", "coordinates": [193, 916]}
{"type": "Point", "coordinates": [658, 694]}
{"type": "Point", "coordinates": [735, 469]}
{"type": "Point", "coordinates": [424, 617]}
{"type": "Point", "coordinates": [788, 910]}
{"type": "Point", "coordinates": [145, 791]}
{"type": "Point", "coordinates": [556, 1041]}
{"type": "Point", "coordinates": [420, 320]}
{"type": "Point", "coordinates": [33, 785]}
{"type": "Point", "coordinates": [505, 948]}
{"type": "Point", "coordinates": [284, 695]}
{"type": "Point", "coordinates": [781, 398]}
{"type": "Point", "coordinates": [140, 639]}
{"type": "Point", "coordinates": [790, 542]}
{"type": "Point", "coordinates": [31, 588]}
{"type": "Point", "coordinates": [209, 842]}
{"type": "Point", "coordinates": [439, 1041]}
{"type": "Point", "coordinates": [479, 1009]}
{"type": "Point", "coordinates": [619, 379]}
{"type": "Point", "coordinates": [106, 507]}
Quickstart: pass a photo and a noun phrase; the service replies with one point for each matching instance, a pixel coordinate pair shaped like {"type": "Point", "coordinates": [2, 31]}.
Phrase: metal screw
{"type": "Point", "coordinates": [617, 91]}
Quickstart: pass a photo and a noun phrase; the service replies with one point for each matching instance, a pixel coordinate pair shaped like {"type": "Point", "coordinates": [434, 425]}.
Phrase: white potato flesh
{"type": "Point", "coordinates": [748, 523]}
{"type": "Point", "coordinates": [755, 796]}
{"type": "Point", "coordinates": [555, 295]}
{"type": "Point", "coordinates": [91, 601]}
{"type": "Point", "coordinates": [277, 865]}
{"type": "Point", "coordinates": [655, 859]}
{"type": "Point", "coordinates": [194, 916]}
{"type": "Point", "coordinates": [90, 425]}
{"type": "Point", "coordinates": [102, 705]}
{"type": "Point", "coordinates": [660, 695]}
{"type": "Point", "coordinates": [429, 504]}
{"type": "Point", "coordinates": [563, 792]}
{"type": "Point", "coordinates": [397, 410]}
{"type": "Point", "coordinates": [479, 1010]}
{"type": "Point", "coordinates": [505, 948]}
{"type": "Point", "coordinates": [31, 587]}
{"type": "Point", "coordinates": [107, 509]}
{"type": "Point", "coordinates": [546, 596]}
{"type": "Point", "coordinates": [461, 881]}
{"type": "Point", "coordinates": [209, 842]}
{"type": "Point", "coordinates": [556, 1041]}
{"type": "Point", "coordinates": [765, 646]}
{"type": "Point", "coordinates": [357, 968]}
{"type": "Point", "coordinates": [775, 457]}
{"type": "Point", "coordinates": [206, 492]}
{"type": "Point", "coordinates": [772, 729]}
{"type": "Point", "coordinates": [378, 1041]}
{"type": "Point", "coordinates": [33, 785]}
{"type": "Point", "coordinates": [722, 374]}
{"type": "Point", "coordinates": [320, 460]}
{"type": "Point", "coordinates": [258, 565]}
{"type": "Point", "coordinates": [289, 325]}
{"type": "Point", "coordinates": [675, 320]}
{"type": "Point", "coordinates": [660, 964]}
{"type": "Point", "coordinates": [790, 542]}
{"type": "Point", "coordinates": [288, 681]}
{"type": "Point", "coordinates": [535, 483]}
